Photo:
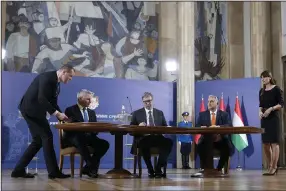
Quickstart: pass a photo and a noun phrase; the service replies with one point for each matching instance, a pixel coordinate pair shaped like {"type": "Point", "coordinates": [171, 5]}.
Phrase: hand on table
{"type": "Point", "coordinates": [62, 116]}
{"type": "Point", "coordinates": [142, 124]}
{"type": "Point", "coordinates": [214, 126]}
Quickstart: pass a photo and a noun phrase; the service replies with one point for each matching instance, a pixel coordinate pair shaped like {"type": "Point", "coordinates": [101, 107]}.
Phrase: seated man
{"type": "Point", "coordinates": [81, 140]}
{"type": "Point", "coordinates": [211, 118]}
{"type": "Point", "coordinates": [149, 116]}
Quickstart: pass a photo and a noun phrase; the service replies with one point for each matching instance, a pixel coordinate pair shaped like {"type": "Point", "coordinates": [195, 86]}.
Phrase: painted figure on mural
{"type": "Point", "coordinates": [185, 141]}
{"type": "Point", "coordinates": [112, 66]}
{"type": "Point", "coordinates": [57, 53]}
{"type": "Point", "coordinates": [141, 71]}
{"type": "Point", "coordinates": [210, 40]}
{"type": "Point", "coordinates": [80, 32]}
{"type": "Point", "coordinates": [18, 47]}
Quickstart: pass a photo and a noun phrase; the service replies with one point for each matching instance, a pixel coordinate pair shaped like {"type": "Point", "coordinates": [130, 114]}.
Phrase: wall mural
{"type": "Point", "coordinates": [210, 39]}
{"type": "Point", "coordinates": [100, 39]}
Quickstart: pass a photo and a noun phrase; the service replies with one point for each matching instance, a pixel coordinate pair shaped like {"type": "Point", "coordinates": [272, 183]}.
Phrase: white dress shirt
{"type": "Point", "coordinates": [82, 112]}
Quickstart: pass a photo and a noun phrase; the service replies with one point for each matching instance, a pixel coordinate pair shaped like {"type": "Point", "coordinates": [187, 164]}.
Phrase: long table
{"type": "Point", "coordinates": [120, 130]}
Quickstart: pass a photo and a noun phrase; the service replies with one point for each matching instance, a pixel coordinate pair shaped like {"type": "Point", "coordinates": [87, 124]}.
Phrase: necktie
{"type": "Point", "coordinates": [151, 120]}
{"type": "Point", "coordinates": [85, 115]}
{"type": "Point", "coordinates": [213, 119]}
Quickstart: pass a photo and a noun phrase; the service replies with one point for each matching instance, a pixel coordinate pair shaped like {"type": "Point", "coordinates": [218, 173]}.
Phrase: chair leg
{"type": "Point", "coordinates": [61, 162]}
{"type": "Point", "coordinates": [139, 158]}
{"type": "Point", "coordinates": [134, 164]}
{"type": "Point", "coordinates": [72, 164]}
{"type": "Point", "coordinates": [80, 167]}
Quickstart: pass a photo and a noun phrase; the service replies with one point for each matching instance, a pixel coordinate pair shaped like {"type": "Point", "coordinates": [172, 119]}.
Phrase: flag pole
{"type": "Point", "coordinates": [239, 168]}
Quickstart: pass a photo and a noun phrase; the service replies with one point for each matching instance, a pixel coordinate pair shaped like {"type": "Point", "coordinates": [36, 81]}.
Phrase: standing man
{"type": "Point", "coordinates": [149, 116]}
{"type": "Point", "coordinates": [81, 140]}
{"type": "Point", "coordinates": [185, 141]}
{"type": "Point", "coordinates": [41, 98]}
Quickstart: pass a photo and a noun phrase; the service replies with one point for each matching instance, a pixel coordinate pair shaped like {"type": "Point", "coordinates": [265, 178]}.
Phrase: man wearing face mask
{"type": "Point", "coordinates": [150, 116]}
{"type": "Point", "coordinates": [81, 140]}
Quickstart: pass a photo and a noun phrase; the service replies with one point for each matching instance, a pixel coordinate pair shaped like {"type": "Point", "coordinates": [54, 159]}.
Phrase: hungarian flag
{"type": "Point", "coordinates": [221, 103]}
{"type": "Point", "coordinates": [239, 140]}
{"type": "Point", "coordinates": [202, 108]}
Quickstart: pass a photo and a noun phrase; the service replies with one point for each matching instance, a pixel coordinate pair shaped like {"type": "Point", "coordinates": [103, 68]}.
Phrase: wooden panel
{"type": "Point", "coordinates": [134, 129]}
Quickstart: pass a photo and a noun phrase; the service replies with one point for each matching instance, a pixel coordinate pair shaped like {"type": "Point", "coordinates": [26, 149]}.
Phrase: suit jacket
{"type": "Point", "coordinates": [75, 115]}
{"type": "Point", "coordinates": [222, 120]}
{"type": "Point", "coordinates": [41, 96]}
{"type": "Point", "coordinates": [140, 116]}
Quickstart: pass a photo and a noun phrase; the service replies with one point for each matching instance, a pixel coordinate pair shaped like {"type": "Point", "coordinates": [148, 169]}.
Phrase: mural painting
{"type": "Point", "coordinates": [210, 39]}
{"type": "Point", "coordinates": [100, 39]}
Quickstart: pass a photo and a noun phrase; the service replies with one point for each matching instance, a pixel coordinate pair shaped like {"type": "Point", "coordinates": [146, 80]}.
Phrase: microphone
{"type": "Point", "coordinates": [129, 104]}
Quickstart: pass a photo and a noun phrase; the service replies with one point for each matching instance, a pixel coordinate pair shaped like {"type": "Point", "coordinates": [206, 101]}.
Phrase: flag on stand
{"type": "Point", "coordinates": [239, 140]}
{"type": "Point", "coordinates": [221, 103]}
{"type": "Point", "coordinates": [202, 108]}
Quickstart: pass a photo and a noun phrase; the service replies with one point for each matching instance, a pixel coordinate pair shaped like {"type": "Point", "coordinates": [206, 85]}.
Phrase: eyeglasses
{"type": "Point", "coordinates": [147, 101]}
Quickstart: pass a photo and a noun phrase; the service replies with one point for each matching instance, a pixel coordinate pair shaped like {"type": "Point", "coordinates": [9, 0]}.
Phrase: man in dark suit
{"type": "Point", "coordinates": [81, 140]}
{"type": "Point", "coordinates": [212, 118]}
{"type": "Point", "coordinates": [41, 98]}
{"type": "Point", "coordinates": [149, 116]}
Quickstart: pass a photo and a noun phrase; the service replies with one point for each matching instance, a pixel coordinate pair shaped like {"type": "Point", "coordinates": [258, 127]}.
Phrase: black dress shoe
{"type": "Point", "coordinates": [158, 174]}
{"type": "Point", "coordinates": [59, 175]}
{"type": "Point", "coordinates": [90, 173]}
{"type": "Point", "coordinates": [151, 175]}
{"type": "Point", "coordinates": [21, 174]}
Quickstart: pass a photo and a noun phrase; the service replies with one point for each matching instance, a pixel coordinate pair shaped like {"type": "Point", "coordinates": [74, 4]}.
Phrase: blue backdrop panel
{"type": "Point", "coordinates": [112, 95]}
{"type": "Point", "coordinates": [247, 90]}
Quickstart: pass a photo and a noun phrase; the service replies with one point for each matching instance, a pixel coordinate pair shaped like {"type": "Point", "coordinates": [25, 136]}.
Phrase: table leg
{"type": "Point", "coordinates": [209, 171]}
{"type": "Point", "coordinates": [118, 171]}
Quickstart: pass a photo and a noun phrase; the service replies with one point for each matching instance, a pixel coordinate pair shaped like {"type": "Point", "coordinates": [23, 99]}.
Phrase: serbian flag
{"type": "Point", "coordinates": [202, 108]}
{"type": "Point", "coordinates": [221, 103]}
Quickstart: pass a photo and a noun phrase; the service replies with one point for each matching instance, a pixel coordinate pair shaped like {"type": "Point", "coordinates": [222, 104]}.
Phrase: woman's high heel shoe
{"type": "Point", "coordinates": [268, 171]}
{"type": "Point", "coordinates": [275, 172]}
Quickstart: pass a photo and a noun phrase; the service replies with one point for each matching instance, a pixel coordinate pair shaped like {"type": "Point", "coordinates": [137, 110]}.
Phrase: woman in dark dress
{"type": "Point", "coordinates": [270, 102]}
